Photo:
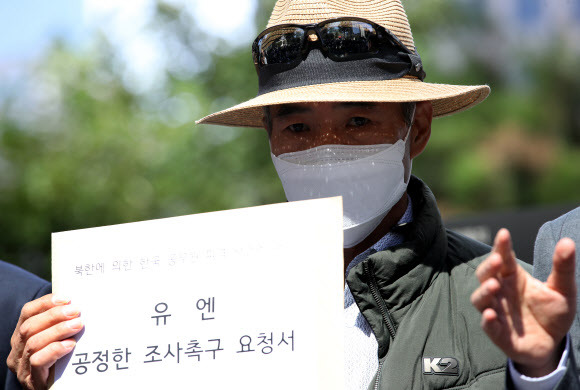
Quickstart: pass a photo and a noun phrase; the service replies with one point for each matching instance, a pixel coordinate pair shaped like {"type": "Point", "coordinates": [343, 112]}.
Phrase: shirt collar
{"type": "Point", "coordinates": [388, 240]}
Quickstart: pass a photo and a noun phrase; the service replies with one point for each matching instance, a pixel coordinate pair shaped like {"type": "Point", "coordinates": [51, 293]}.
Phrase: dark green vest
{"type": "Point", "coordinates": [416, 298]}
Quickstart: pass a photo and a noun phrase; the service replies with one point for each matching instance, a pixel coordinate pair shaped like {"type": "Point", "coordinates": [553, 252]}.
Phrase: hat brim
{"type": "Point", "coordinates": [446, 99]}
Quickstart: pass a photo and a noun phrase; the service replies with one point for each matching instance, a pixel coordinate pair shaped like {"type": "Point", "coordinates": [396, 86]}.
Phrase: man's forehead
{"type": "Point", "coordinates": [296, 108]}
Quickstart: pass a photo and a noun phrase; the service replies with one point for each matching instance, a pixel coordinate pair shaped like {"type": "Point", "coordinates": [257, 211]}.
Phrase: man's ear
{"type": "Point", "coordinates": [421, 130]}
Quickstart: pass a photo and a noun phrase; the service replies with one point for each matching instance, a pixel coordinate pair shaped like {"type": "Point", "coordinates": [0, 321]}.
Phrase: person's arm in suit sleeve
{"type": "Point", "coordinates": [17, 287]}
{"type": "Point", "coordinates": [543, 249]}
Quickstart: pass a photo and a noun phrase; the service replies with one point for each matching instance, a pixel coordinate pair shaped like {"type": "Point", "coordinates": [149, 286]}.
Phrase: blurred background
{"type": "Point", "coordinates": [98, 100]}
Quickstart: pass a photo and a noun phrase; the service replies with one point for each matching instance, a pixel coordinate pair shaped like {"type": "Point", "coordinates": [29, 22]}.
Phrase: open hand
{"type": "Point", "coordinates": [525, 318]}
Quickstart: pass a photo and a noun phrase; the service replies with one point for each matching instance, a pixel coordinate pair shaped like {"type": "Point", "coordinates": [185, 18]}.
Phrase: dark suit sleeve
{"type": "Point", "coordinates": [544, 249]}
{"type": "Point", "coordinates": [17, 287]}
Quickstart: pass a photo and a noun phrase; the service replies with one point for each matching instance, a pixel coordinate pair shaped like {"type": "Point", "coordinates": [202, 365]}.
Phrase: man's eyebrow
{"type": "Point", "coordinates": [356, 105]}
{"type": "Point", "coordinates": [289, 109]}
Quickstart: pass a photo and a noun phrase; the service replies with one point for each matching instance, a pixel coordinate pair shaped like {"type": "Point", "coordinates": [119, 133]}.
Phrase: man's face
{"type": "Point", "coordinates": [302, 126]}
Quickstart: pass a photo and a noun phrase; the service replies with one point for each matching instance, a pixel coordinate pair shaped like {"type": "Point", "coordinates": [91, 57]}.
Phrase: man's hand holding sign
{"type": "Point", "coordinates": [43, 335]}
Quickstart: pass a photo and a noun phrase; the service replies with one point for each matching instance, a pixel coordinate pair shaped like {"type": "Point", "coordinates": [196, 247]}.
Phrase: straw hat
{"type": "Point", "coordinates": [446, 99]}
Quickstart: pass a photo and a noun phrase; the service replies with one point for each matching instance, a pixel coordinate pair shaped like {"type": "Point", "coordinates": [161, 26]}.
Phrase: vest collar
{"type": "Point", "coordinates": [404, 272]}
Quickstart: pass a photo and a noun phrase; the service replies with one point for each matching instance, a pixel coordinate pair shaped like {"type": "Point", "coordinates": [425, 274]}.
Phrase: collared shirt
{"type": "Point", "coordinates": [361, 362]}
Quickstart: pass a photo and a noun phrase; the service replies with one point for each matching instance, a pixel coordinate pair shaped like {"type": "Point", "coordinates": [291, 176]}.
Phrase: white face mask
{"type": "Point", "coordinates": [370, 178]}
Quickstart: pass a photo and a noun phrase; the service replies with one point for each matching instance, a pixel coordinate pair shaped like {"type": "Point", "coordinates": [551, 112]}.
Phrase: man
{"type": "Point", "coordinates": [568, 225]}
{"type": "Point", "coordinates": [342, 98]}
{"type": "Point", "coordinates": [17, 287]}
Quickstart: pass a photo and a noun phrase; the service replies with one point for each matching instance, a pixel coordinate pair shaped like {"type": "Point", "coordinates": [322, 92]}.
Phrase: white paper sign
{"type": "Point", "coordinates": [248, 298]}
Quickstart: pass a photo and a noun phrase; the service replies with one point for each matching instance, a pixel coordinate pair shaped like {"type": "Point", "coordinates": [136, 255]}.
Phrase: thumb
{"type": "Point", "coordinates": [563, 278]}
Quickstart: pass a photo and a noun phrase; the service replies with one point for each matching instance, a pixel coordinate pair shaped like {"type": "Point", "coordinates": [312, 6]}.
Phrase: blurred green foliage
{"type": "Point", "coordinates": [89, 151]}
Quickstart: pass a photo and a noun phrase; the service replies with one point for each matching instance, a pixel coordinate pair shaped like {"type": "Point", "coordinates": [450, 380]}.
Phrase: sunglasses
{"type": "Point", "coordinates": [340, 39]}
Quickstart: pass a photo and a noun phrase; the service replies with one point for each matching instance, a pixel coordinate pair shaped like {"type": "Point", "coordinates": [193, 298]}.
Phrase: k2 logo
{"type": "Point", "coordinates": [440, 366]}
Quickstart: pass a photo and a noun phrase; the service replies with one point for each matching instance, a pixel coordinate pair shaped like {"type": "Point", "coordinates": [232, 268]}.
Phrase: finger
{"type": "Point", "coordinates": [30, 309]}
{"type": "Point", "coordinates": [503, 246]}
{"type": "Point", "coordinates": [491, 325]}
{"type": "Point", "coordinates": [489, 267]}
{"type": "Point", "coordinates": [562, 278]}
{"type": "Point", "coordinates": [36, 343]}
{"type": "Point", "coordinates": [37, 306]}
{"type": "Point", "coordinates": [26, 325]}
{"type": "Point", "coordinates": [484, 296]}
{"type": "Point", "coordinates": [58, 332]}
{"type": "Point", "coordinates": [46, 319]}
{"type": "Point", "coordinates": [41, 361]}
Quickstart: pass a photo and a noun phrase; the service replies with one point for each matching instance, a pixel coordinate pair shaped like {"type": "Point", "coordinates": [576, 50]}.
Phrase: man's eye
{"type": "Point", "coordinates": [358, 121]}
{"type": "Point", "coordinates": [297, 127]}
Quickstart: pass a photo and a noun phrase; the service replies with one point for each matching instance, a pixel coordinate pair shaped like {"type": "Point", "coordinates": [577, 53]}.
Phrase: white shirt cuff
{"type": "Point", "coordinates": [548, 382]}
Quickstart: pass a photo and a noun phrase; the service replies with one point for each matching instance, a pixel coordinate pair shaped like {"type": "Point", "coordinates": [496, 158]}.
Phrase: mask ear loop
{"type": "Point", "coordinates": [408, 176]}
{"type": "Point", "coordinates": [411, 124]}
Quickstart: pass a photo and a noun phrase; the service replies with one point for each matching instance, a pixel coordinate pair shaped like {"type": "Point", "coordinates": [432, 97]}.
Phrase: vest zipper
{"type": "Point", "coordinates": [382, 308]}
{"type": "Point", "coordinates": [377, 297]}
{"type": "Point", "coordinates": [378, 380]}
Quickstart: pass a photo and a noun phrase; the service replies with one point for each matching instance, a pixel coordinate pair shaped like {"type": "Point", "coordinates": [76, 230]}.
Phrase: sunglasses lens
{"type": "Point", "coordinates": [281, 46]}
{"type": "Point", "coordinates": [347, 38]}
